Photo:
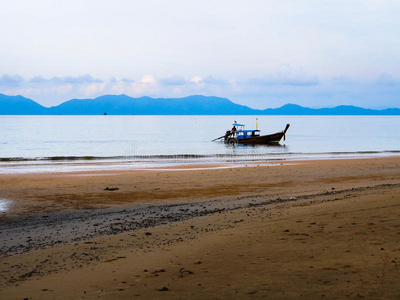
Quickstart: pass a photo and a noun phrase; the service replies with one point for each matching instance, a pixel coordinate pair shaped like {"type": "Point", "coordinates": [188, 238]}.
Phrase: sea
{"type": "Point", "coordinates": [74, 143]}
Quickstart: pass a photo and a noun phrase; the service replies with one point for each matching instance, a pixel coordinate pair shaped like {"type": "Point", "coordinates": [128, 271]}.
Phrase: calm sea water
{"type": "Point", "coordinates": [138, 139]}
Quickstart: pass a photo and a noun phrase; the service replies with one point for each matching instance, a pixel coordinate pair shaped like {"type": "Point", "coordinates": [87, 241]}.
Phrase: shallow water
{"type": "Point", "coordinates": [140, 141]}
{"type": "Point", "coordinates": [4, 205]}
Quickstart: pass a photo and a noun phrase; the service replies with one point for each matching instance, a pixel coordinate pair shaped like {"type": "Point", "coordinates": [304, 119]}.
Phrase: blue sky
{"type": "Point", "coordinates": [257, 53]}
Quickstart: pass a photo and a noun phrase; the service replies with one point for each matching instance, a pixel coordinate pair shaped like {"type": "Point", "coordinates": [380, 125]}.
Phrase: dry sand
{"type": "Point", "coordinates": [306, 229]}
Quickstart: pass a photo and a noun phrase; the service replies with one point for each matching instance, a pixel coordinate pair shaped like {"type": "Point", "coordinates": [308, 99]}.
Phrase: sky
{"type": "Point", "coordinates": [259, 53]}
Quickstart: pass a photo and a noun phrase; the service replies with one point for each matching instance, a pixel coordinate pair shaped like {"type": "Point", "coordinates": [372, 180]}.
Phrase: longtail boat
{"type": "Point", "coordinates": [238, 135]}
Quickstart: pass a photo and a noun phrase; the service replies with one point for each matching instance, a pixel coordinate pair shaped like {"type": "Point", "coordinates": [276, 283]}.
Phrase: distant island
{"type": "Point", "coordinates": [191, 105]}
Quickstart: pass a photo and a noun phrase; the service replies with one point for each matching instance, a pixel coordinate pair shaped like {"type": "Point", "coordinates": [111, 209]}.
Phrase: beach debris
{"type": "Point", "coordinates": [111, 189]}
{"type": "Point", "coordinates": [164, 289]}
{"type": "Point", "coordinates": [238, 221]}
{"type": "Point", "coordinates": [183, 271]}
{"type": "Point", "coordinates": [148, 233]}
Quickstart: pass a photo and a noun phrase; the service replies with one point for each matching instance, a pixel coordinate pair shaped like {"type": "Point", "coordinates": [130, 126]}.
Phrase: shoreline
{"type": "Point", "coordinates": [311, 228]}
{"type": "Point", "coordinates": [69, 164]}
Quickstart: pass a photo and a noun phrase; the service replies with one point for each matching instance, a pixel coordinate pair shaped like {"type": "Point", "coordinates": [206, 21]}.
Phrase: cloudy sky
{"type": "Point", "coordinates": [260, 53]}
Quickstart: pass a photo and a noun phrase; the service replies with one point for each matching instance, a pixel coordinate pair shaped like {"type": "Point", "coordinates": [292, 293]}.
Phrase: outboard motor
{"type": "Point", "coordinates": [228, 134]}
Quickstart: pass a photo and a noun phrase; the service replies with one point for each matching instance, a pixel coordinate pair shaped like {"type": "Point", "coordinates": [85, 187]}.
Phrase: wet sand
{"type": "Point", "coordinates": [284, 230]}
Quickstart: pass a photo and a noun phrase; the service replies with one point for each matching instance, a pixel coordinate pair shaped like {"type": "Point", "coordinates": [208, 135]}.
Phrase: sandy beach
{"type": "Point", "coordinates": [283, 229]}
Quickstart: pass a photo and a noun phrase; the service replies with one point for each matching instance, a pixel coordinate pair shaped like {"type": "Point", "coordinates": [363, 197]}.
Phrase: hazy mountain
{"type": "Point", "coordinates": [192, 105]}
{"type": "Point", "coordinates": [18, 105]}
{"type": "Point", "coordinates": [125, 105]}
{"type": "Point", "coordinates": [293, 109]}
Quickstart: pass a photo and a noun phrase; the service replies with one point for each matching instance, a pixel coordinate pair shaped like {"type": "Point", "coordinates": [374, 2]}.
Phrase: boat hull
{"type": "Point", "coordinates": [264, 139]}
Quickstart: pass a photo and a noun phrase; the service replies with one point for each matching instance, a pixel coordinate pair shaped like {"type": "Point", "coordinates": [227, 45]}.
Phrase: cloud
{"type": "Point", "coordinates": [10, 81]}
{"type": "Point", "coordinates": [287, 75]}
{"type": "Point", "coordinates": [387, 79]}
{"type": "Point", "coordinates": [215, 81]}
{"type": "Point", "coordinates": [208, 82]}
{"type": "Point", "coordinates": [84, 79]}
{"type": "Point", "coordinates": [286, 84]}
{"type": "Point", "coordinates": [196, 80]}
{"type": "Point", "coordinates": [148, 79]}
{"type": "Point", "coordinates": [96, 88]}
{"type": "Point", "coordinates": [174, 81]}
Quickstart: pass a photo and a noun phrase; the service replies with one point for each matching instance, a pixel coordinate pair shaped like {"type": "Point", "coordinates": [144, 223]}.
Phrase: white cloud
{"type": "Point", "coordinates": [148, 79]}
{"type": "Point", "coordinates": [93, 89]}
{"type": "Point", "coordinates": [127, 39]}
{"type": "Point", "coordinates": [196, 79]}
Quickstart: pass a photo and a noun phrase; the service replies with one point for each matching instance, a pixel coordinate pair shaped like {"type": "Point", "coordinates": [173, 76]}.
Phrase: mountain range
{"type": "Point", "coordinates": [191, 105]}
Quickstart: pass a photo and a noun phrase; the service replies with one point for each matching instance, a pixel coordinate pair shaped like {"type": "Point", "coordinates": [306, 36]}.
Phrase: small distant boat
{"type": "Point", "coordinates": [238, 135]}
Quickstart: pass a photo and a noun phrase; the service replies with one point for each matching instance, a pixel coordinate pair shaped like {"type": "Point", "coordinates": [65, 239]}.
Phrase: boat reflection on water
{"type": "Point", "coordinates": [254, 146]}
{"type": "Point", "coordinates": [257, 152]}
